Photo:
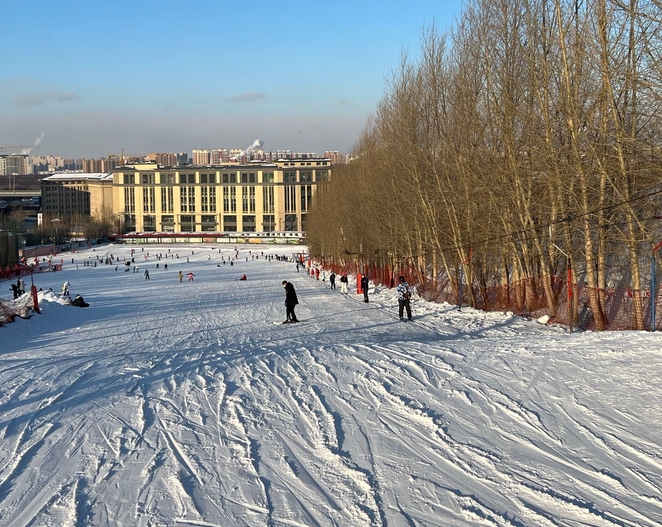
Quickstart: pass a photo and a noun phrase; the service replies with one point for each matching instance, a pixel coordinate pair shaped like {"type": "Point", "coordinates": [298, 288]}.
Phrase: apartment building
{"type": "Point", "coordinates": [218, 156]}
{"type": "Point", "coordinates": [13, 164]}
{"type": "Point", "coordinates": [255, 197]}
{"type": "Point", "coordinates": [200, 156]}
{"type": "Point", "coordinates": [165, 159]}
{"type": "Point", "coordinates": [77, 195]}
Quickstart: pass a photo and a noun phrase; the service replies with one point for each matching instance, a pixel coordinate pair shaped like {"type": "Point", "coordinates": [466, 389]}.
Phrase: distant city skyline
{"type": "Point", "coordinates": [234, 150]}
{"type": "Point", "coordinates": [96, 78]}
{"type": "Point", "coordinates": [43, 164]}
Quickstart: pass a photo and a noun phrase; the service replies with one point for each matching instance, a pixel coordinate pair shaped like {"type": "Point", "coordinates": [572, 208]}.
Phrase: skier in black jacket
{"type": "Point", "coordinates": [291, 301]}
{"type": "Point", "coordinates": [364, 287]}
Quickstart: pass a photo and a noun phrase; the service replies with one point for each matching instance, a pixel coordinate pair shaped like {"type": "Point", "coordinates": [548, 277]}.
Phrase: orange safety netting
{"type": "Point", "coordinates": [527, 297]}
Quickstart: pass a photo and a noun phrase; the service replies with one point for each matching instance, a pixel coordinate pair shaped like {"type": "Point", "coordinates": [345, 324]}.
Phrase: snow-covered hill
{"type": "Point", "coordinates": [189, 404]}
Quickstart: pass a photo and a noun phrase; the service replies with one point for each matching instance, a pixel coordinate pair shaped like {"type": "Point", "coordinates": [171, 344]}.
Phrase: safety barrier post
{"type": "Point", "coordinates": [653, 292]}
{"type": "Point", "coordinates": [653, 285]}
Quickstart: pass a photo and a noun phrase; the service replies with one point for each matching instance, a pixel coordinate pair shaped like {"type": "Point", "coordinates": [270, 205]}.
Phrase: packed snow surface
{"type": "Point", "coordinates": [169, 403]}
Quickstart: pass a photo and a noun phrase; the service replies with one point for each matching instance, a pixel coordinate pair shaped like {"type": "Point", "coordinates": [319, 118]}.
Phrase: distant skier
{"type": "Point", "coordinates": [291, 301]}
{"type": "Point", "coordinates": [364, 287]}
{"type": "Point", "coordinates": [404, 297]}
{"type": "Point", "coordinates": [243, 277]}
{"type": "Point", "coordinates": [332, 280]}
{"type": "Point", "coordinates": [79, 302]}
{"type": "Point", "coordinates": [181, 276]}
{"type": "Point", "coordinates": [190, 277]}
{"type": "Point", "coordinates": [146, 274]}
{"type": "Point", "coordinates": [343, 283]}
{"type": "Point", "coordinates": [65, 288]}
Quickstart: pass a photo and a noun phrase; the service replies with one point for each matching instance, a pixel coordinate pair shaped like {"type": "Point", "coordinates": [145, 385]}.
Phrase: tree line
{"type": "Point", "coordinates": [522, 142]}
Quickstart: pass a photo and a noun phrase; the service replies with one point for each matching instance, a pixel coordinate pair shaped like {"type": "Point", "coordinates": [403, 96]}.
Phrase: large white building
{"type": "Point", "coordinates": [234, 198]}
{"type": "Point", "coordinates": [252, 197]}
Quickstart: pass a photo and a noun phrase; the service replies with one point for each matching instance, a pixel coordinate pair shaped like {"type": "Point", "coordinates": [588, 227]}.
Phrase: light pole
{"type": "Point", "coordinates": [54, 224]}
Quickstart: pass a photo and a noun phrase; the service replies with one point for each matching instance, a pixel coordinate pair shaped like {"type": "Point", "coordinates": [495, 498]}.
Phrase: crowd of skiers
{"type": "Point", "coordinates": [403, 289]}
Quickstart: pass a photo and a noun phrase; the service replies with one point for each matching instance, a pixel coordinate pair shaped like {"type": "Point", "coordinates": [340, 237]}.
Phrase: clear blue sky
{"type": "Point", "coordinates": [99, 76]}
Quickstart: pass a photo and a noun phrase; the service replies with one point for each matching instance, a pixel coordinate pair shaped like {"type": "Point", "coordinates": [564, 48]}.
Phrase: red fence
{"type": "Point", "coordinates": [527, 297]}
{"type": "Point", "coordinates": [14, 271]}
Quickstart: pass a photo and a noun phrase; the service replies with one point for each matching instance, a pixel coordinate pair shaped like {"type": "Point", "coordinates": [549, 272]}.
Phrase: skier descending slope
{"type": "Point", "coordinates": [291, 301]}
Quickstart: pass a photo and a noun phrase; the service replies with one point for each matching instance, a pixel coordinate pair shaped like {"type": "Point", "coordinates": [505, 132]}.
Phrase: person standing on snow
{"type": "Point", "coordinates": [181, 276]}
{"type": "Point", "coordinates": [146, 274]}
{"type": "Point", "coordinates": [291, 301]}
{"type": "Point", "coordinates": [332, 280]}
{"type": "Point", "coordinates": [404, 297]}
{"type": "Point", "coordinates": [364, 287]}
{"type": "Point", "coordinates": [190, 277]}
{"type": "Point", "coordinates": [343, 283]}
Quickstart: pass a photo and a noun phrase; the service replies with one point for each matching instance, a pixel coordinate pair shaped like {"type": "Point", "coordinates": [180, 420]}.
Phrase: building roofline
{"type": "Point", "coordinates": [78, 176]}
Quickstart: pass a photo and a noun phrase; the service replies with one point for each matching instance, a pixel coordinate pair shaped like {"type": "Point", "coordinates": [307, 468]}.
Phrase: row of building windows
{"type": "Point", "coordinates": [305, 176]}
{"type": "Point", "coordinates": [317, 163]}
{"type": "Point", "coordinates": [187, 201]}
{"type": "Point", "coordinates": [211, 223]}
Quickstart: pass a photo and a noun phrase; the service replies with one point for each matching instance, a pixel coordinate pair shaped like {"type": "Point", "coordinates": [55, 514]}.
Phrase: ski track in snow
{"type": "Point", "coordinates": [170, 403]}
